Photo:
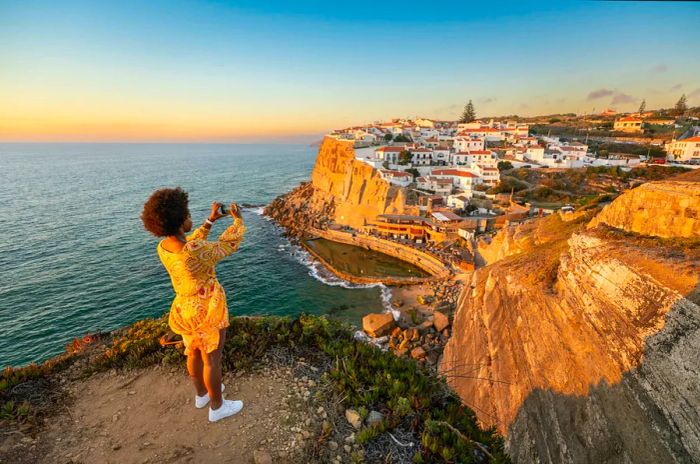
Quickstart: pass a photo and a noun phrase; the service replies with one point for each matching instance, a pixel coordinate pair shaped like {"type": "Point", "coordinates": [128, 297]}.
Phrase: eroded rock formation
{"type": "Point", "coordinates": [582, 343]}
{"type": "Point", "coordinates": [668, 208]}
{"type": "Point", "coordinates": [342, 189]}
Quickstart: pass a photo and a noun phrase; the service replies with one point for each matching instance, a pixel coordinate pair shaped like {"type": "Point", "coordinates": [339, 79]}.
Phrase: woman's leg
{"type": "Point", "coordinates": [212, 372]}
{"type": "Point", "coordinates": [195, 367]}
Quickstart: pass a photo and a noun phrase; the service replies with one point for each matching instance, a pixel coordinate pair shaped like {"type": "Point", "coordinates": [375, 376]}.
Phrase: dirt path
{"type": "Point", "coordinates": [148, 416]}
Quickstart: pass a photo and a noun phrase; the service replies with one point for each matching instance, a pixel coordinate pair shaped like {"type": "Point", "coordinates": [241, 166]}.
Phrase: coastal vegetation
{"type": "Point", "coordinates": [578, 185]}
{"type": "Point", "coordinates": [415, 404]}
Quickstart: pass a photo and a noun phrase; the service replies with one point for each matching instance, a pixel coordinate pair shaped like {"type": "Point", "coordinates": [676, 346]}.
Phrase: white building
{"type": "Point", "coordinates": [463, 143]}
{"type": "Point", "coordinates": [400, 178]}
{"type": "Point", "coordinates": [441, 155]}
{"type": "Point", "coordinates": [487, 133]}
{"type": "Point", "coordinates": [460, 201]}
{"type": "Point", "coordinates": [684, 150]}
{"type": "Point", "coordinates": [490, 176]}
{"type": "Point", "coordinates": [389, 154]}
{"type": "Point", "coordinates": [461, 178]}
{"type": "Point", "coordinates": [421, 156]}
{"type": "Point", "coordinates": [440, 186]}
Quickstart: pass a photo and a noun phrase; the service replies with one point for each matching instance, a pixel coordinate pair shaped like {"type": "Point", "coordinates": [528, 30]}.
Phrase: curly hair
{"type": "Point", "coordinates": [165, 211]}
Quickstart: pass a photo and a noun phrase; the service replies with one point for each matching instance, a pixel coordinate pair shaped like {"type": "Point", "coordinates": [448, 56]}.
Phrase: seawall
{"type": "Point", "coordinates": [425, 261]}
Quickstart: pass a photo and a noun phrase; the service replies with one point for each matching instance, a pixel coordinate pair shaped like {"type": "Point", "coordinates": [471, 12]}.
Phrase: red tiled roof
{"type": "Point", "coordinates": [452, 172]}
{"type": "Point", "coordinates": [483, 129]}
{"type": "Point", "coordinates": [390, 149]}
{"type": "Point", "coordinates": [395, 173]}
{"type": "Point", "coordinates": [691, 139]}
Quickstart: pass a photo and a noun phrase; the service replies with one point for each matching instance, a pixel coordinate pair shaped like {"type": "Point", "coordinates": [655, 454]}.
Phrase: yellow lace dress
{"type": "Point", "coordinates": [199, 310]}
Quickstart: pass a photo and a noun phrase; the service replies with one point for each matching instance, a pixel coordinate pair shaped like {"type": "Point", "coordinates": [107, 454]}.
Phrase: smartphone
{"type": "Point", "coordinates": [224, 209]}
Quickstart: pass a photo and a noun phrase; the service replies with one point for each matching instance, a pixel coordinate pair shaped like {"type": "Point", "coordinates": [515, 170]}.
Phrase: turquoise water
{"type": "Point", "coordinates": [74, 257]}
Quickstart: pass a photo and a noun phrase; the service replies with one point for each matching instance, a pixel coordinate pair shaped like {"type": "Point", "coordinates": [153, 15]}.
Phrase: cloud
{"type": "Point", "coordinates": [659, 68]}
{"type": "Point", "coordinates": [487, 100]}
{"type": "Point", "coordinates": [623, 98]}
{"type": "Point", "coordinates": [695, 93]}
{"type": "Point", "coordinates": [600, 93]}
{"type": "Point", "coordinates": [675, 87]}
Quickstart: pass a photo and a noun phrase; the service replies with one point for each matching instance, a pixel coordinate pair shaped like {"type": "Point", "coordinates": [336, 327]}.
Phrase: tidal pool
{"type": "Point", "coordinates": [361, 262]}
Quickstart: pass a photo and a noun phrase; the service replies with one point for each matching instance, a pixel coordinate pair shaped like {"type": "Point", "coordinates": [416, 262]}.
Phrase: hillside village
{"type": "Point", "coordinates": [452, 173]}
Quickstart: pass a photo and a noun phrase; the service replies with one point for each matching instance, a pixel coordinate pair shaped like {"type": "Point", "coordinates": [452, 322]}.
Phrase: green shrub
{"type": "Point", "coordinates": [364, 376]}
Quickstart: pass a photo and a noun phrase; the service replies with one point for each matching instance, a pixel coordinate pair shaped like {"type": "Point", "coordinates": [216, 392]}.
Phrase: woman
{"type": "Point", "coordinates": [199, 312]}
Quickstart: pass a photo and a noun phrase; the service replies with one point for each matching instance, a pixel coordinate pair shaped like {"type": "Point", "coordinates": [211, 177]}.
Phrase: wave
{"type": "Point", "coordinates": [256, 209]}
{"type": "Point", "coordinates": [321, 273]}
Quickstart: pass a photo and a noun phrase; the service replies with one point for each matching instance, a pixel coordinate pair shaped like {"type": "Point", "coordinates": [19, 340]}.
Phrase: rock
{"type": "Point", "coordinates": [378, 324]}
{"type": "Point", "coordinates": [262, 457]}
{"type": "Point", "coordinates": [374, 417]}
{"type": "Point", "coordinates": [432, 358]}
{"type": "Point", "coordinates": [347, 448]}
{"type": "Point", "coordinates": [441, 321]}
{"type": "Point", "coordinates": [418, 353]}
{"type": "Point", "coordinates": [332, 445]}
{"type": "Point", "coordinates": [400, 352]}
{"type": "Point", "coordinates": [353, 418]}
{"type": "Point", "coordinates": [425, 325]}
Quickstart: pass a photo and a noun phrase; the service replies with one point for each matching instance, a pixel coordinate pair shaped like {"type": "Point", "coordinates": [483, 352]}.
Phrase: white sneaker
{"type": "Point", "coordinates": [228, 408]}
{"type": "Point", "coordinates": [201, 401]}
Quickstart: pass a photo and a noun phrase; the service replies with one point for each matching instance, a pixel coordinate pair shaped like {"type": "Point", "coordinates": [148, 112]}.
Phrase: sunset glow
{"type": "Point", "coordinates": [189, 71]}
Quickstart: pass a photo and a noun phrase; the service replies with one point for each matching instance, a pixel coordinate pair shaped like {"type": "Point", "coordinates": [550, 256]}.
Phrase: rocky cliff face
{"type": "Point", "coordinates": [581, 343]}
{"type": "Point", "coordinates": [342, 189]}
{"type": "Point", "coordinates": [662, 209]}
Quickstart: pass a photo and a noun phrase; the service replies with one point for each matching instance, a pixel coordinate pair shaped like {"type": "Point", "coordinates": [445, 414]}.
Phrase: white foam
{"type": "Point", "coordinates": [319, 272]}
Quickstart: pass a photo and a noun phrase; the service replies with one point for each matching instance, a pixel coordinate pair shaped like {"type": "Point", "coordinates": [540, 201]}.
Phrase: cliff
{"type": "Point", "coordinates": [580, 342]}
{"type": "Point", "coordinates": [343, 190]}
{"type": "Point", "coordinates": [668, 208]}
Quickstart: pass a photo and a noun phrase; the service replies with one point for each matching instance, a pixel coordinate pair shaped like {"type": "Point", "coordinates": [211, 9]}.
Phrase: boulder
{"type": "Point", "coordinates": [262, 457]}
{"type": "Point", "coordinates": [418, 353]}
{"type": "Point", "coordinates": [425, 325]}
{"type": "Point", "coordinates": [353, 418]}
{"type": "Point", "coordinates": [378, 324]}
{"type": "Point", "coordinates": [441, 321]}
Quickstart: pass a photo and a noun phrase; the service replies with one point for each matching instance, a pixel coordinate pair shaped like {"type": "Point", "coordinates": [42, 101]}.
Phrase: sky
{"type": "Point", "coordinates": [249, 71]}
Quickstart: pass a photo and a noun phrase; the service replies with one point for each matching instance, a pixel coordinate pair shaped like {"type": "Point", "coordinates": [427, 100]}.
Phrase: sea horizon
{"type": "Point", "coordinates": [93, 266]}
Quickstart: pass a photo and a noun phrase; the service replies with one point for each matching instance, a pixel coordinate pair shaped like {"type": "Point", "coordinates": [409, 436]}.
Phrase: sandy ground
{"type": "Point", "coordinates": [149, 417]}
{"type": "Point", "coordinates": [407, 296]}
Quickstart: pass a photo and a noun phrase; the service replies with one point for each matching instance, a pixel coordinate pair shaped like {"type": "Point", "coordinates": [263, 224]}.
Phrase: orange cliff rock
{"type": "Point", "coordinates": [669, 208]}
{"type": "Point", "coordinates": [343, 190]}
{"type": "Point", "coordinates": [582, 345]}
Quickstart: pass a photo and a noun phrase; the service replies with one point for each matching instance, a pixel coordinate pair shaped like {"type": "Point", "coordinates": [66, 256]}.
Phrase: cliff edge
{"type": "Point", "coordinates": [343, 190]}
{"type": "Point", "coordinates": [669, 208]}
{"type": "Point", "coordinates": [580, 341]}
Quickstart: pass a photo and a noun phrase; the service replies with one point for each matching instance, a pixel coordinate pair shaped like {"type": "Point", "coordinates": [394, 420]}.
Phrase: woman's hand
{"type": "Point", "coordinates": [235, 211]}
{"type": "Point", "coordinates": [216, 211]}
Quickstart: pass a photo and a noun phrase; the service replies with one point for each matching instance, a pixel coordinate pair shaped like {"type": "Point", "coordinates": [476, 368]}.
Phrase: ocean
{"type": "Point", "coordinates": [75, 258]}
